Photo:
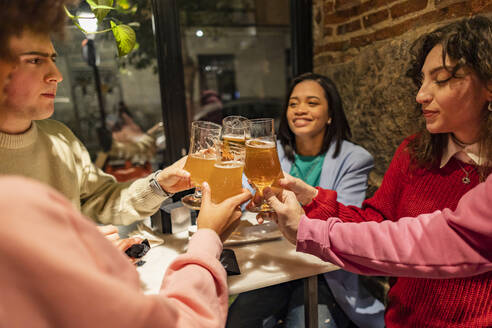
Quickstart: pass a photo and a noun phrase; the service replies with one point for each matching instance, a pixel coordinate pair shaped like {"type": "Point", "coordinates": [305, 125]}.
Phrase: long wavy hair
{"type": "Point", "coordinates": [468, 42]}
{"type": "Point", "coordinates": [337, 130]}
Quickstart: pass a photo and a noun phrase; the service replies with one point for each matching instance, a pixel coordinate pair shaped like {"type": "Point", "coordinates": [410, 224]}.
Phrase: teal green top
{"type": "Point", "coordinates": [308, 168]}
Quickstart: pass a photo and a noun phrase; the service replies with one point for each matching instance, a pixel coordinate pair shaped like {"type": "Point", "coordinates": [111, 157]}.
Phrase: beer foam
{"type": "Point", "coordinates": [229, 165]}
{"type": "Point", "coordinates": [203, 155]}
{"type": "Point", "coordinates": [260, 143]}
{"type": "Point", "coordinates": [233, 137]}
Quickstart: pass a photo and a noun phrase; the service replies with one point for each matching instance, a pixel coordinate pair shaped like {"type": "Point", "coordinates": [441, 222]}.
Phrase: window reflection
{"type": "Point", "coordinates": [235, 61]}
{"type": "Point", "coordinates": [236, 57]}
{"type": "Point", "coordinates": [130, 92]}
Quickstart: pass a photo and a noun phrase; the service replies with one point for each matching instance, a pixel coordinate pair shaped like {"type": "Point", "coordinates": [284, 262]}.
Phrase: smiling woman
{"type": "Point", "coordinates": [455, 92]}
{"type": "Point", "coordinates": [313, 146]}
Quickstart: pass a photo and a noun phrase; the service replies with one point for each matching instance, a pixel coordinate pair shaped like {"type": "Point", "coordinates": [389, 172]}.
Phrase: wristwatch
{"type": "Point", "coordinates": [156, 186]}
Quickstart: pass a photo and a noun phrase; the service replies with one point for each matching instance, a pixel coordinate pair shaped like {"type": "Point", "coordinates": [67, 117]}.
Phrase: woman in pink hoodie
{"type": "Point", "coordinates": [58, 270]}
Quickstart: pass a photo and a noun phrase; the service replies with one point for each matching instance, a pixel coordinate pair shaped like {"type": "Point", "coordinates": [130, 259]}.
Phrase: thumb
{"type": "Point", "coordinates": [290, 198]}
{"type": "Point", "coordinates": [272, 199]}
{"type": "Point", "coordinates": [182, 173]}
{"type": "Point", "coordinates": [181, 162]}
{"type": "Point", "coordinates": [206, 194]}
{"type": "Point", "coordinates": [240, 198]}
{"type": "Point", "coordinates": [286, 183]}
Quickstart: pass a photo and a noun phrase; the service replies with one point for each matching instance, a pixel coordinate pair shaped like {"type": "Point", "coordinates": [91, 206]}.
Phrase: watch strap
{"type": "Point", "coordinates": [156, 186]}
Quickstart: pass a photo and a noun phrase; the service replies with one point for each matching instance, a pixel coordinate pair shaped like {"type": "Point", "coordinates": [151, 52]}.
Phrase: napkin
{"type": "Point", "coordinates": [155, 238]}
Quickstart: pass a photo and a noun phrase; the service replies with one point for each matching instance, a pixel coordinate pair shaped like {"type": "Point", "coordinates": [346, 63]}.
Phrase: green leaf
{"type": "Point", "coordinates": [123, 4]}
{"type": "Point", "coordinates": [125, 38]}
{"type": "Point", "coordinates": [100, 7]}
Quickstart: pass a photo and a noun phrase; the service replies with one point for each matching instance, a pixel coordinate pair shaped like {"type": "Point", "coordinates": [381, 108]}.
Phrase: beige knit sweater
{"type": "Point", "coordinates": [49, 152]}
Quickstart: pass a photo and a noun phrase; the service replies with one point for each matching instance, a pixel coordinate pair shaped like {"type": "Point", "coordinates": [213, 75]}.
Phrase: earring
{"type": "Point", "coordinates": [490, 106]}
{"type": "Point", "coordinates": [329, 120]}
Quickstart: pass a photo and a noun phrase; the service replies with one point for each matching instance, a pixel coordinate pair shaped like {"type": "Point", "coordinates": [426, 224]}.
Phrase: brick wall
{"type": "Point", "coordinates": [363, 46]}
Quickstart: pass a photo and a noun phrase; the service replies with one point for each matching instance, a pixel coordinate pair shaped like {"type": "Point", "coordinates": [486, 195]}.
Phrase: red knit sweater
{"type": "Point", "coordinates": [407, 192]}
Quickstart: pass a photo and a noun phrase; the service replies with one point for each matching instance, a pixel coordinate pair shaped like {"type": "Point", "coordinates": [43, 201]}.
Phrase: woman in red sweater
{"type": "Point", "coordinates": [432, 170]}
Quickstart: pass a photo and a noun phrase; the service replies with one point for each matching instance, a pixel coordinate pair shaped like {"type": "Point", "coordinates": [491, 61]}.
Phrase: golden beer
{"type": "Point", "coordinates": [231, 145]}
{"type": "Point", "coordinates": [226, 180]}
{"type": "Point", "coordinates": [200, 167]}
{"type": "Point", "coordinates": [262, 166]}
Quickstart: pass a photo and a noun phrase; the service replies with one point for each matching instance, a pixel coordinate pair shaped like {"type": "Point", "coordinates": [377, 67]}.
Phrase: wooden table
{"type": "Point", "coordinates": [262, 264]}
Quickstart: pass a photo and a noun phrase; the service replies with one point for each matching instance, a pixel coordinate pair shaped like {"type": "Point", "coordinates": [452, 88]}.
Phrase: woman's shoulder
{"type": "Point", "coordinates": [350, 149]}
{"type": "Point", "coordinates": [280, 150]}
{"type": "Point", "coordinates": [403, 150]}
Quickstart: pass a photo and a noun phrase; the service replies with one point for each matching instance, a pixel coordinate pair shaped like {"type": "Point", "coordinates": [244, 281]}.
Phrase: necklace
{"type": "Point", "coordinates": [466, 179]}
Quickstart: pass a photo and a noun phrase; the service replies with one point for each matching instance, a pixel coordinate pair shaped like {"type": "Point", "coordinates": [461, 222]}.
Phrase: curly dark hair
{"type": "Point", "coordinates": [40, 16]}
{"type": "Point", "coordinates": [338, 129]}
{"type": "Point", "coordinates": [468, 42]}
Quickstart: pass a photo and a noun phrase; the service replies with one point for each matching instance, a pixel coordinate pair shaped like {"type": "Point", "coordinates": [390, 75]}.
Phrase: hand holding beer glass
{"type": "Point", "coordinates": [204, 140]}
{"type": "Point", "coordinates": [262, 166]}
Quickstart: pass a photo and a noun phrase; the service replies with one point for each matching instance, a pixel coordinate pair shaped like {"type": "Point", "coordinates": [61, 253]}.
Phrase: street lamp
{"type": "Point", "coordinates": [88, 21]}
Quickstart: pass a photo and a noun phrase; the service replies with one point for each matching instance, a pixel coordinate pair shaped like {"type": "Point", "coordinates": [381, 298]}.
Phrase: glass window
{"type": "Point", "coordinates": [236, 57]}
{"type": "Point", "coordinates": [128, 86]}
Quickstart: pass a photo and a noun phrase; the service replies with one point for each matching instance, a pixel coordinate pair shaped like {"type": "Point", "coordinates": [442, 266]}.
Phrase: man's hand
{"type": "Point", "coordinates": [219, 217]}
{"type": "Point", "coordinates": [303, 192]}
{"type": "Point", "coordinates": [287, 214]}
{"type": "Point", "coordinates": [174, 178]}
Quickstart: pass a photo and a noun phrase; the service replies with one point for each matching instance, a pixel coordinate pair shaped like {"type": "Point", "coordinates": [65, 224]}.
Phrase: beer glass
{"type": "Point", "coordinates": [261, 164]}
{"type": "Point", "coordinates": [226, 177]}
{"type": "Point", "coordinates": [235, 131]}
{"type": "Point", "coordinates": [204, 139]}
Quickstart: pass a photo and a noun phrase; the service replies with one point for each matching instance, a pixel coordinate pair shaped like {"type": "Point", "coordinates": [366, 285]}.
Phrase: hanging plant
{"type": "Point", "coordinates": [124, 35]}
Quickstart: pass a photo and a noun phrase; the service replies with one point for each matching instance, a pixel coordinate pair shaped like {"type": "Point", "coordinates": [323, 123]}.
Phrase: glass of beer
{"type": "Point", "coordinates": [235, 131]}
{"type": "Point", "coordinates": [261, 165]}
{"type": "Point", "coordinates": [204, 140]}
{"type": "Point", "coordinates": [226, 177]}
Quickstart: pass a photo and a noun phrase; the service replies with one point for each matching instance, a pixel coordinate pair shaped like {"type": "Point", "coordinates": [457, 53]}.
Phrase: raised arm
{"type": "Point", "coordinates": [437, 245]}
{"type": "Point", "coordinates": [58, 270]}
{"type": "Point", "coordinates": [377, 208]}
{"type": "Point", "coordinates": [107, 201]}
